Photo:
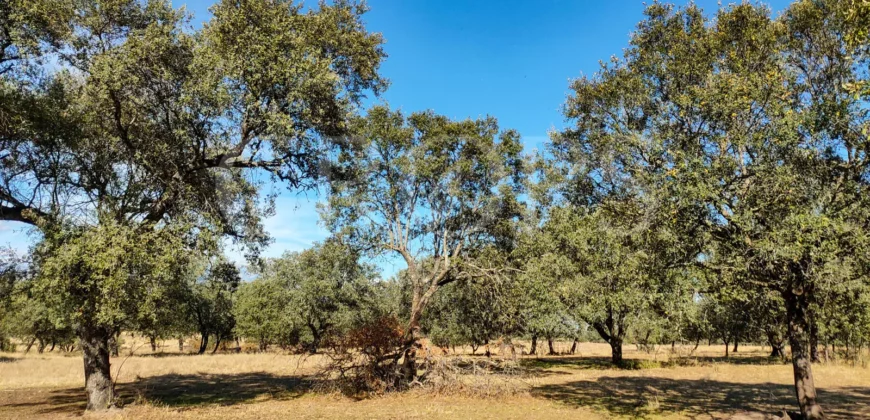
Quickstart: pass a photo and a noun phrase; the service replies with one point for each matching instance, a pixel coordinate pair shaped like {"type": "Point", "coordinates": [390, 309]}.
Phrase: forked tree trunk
{"type": "Point", "coordinates": [98, 379]}
{"type": "Point", "coordinates": [616, 350]}
{"type": "Point", "coordinates": [612, 330]}
{"type": "Point", "coordinates": [776, 351]}
{"type": "Point", "coordinates": [799, 340]}
{"type": "Point", "coordinates": [315, 338]}
{"type": "Point", "coordinates": [217, 344]}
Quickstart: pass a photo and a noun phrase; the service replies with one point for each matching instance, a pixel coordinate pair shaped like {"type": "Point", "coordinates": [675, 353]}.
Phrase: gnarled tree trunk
{"type": "Point", "coordinates": [409, 356]}
{"type": "Point", "coordinates": [98, 378]}
{"type": "Point", "coordinates": [799, 340]}
{"type": "Point", "coordinates": [775, 341]}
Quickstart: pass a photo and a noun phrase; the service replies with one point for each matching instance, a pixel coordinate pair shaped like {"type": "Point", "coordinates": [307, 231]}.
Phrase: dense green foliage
{"type": "Point", "coordinates": [711, 184]}
{"type": "Point", "coordinates": [307, 298]}
{"type": "Point", "coordinates": [129, 140]}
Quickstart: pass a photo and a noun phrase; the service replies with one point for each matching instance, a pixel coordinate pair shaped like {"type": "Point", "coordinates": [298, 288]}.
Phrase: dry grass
{"type": "Point", "coordinates": [553, 387]}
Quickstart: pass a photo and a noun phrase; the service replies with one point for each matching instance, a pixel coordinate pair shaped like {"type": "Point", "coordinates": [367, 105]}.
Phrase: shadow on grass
{"type": "Point", "coordinates": [186, 390]}
{"type": "Point", "coordinates": [644, 396]}
{"type": "Point", "coordinates": [4, 359]}
{"type": "Point", "coordinates": [542, 364]}
{"type": "Point", "coordinates": [571, 362]}
{"type": "Point", "coordinates": [160, 355]}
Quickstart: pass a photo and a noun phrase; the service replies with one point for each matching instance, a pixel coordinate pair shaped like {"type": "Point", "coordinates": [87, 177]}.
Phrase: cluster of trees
{"type": "Point", "coordinates": [296, 301]}
{"type": "Point", "coordinates": [711, 183]}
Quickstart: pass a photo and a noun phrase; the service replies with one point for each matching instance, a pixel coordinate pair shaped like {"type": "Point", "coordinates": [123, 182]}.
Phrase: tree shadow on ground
{"type": "Point", "coordinates": [542, 365]}
{"type": "Point", "coordinates": [644, 396]}
{"type": "Point", "coordinates": [4, 359]}
{"type": "Point", "coordinates": [160, 355]}
{"type": "Point", "coordinates": [739, 360]}
{"type": "Point", "coordinates": [185, 390]}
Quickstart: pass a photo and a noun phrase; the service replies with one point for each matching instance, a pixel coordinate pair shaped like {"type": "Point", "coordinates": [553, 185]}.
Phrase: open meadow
{"type": "Point", "coordinates": [168, 384]}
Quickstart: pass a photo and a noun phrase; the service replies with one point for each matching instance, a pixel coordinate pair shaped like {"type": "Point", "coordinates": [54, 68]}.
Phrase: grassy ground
{"type": "Point", "coordinates": [242, 386]}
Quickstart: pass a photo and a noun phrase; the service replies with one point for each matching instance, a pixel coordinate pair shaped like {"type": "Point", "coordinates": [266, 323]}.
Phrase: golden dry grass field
{"type": "Point", "coordinates": [583, 386]}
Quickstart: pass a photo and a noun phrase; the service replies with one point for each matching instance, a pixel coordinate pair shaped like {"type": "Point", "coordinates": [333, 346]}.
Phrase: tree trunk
{"type": "Point", "coordinates": [181, 344]}
{"type": "Point", "coordinates": [29, 345]}
{"type": "Point", "coordinates": [315, 339]}
{"type": "Point", "coordinates": [616, 350]}
{"type": "Point", "coordinates": [409, 357]}
{"type": "Point", "coordinates": [574, 346]}
{"type": "Point", "coordinates": [727, 346]}
{"type": "Point", "coordinates": [798, 337]}
{"type": "Point", "coordinates": [775, 341]}
{"type": "Point", "coordinates": [203, 344]}
{"type": "Point", "coordinates": [612, 330]}
{"type": "Point", "coordinates": [217, 344]}
{"type": "Point", "coordinates": [41, 348]}
{"type": "Point", "coordinates": [736, 341]}
{"type": "Point", "coordinates": [814, 342]}
{"type": "Point", "coordinates": [534, 348]}
{"type": "Point", "coordinates": [52, 346]}
{"type": "Point", "coordinates": [153, 343]}
{"type": "Point", "coordinates": [550, 345]}
{"type": "Point", "coordinates": [98, 379]}
{"type": "Point", "coordinates": [776, 350]}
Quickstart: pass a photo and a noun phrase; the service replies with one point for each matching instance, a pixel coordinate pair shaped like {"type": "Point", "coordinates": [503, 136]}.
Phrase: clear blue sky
{"type": "Point", "coordinates": [509, 59]}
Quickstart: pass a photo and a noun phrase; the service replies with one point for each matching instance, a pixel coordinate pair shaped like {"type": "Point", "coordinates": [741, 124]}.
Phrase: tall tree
{"type": "Point", "coordinates": [745, 127]}
{"type": "Point", "coordinates": [423, 188]}
{"type": "Point", "coordinates": [116, 118]}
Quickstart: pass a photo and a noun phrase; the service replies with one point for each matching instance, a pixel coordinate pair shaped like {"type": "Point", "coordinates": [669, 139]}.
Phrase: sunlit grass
{"type": "Point", "coordinates": [663, 384]}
